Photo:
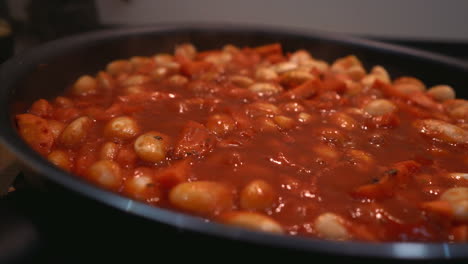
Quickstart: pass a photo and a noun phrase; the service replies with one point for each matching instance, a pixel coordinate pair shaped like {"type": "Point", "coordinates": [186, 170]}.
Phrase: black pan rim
{"type": "Point", "coordinates": [19, 65]}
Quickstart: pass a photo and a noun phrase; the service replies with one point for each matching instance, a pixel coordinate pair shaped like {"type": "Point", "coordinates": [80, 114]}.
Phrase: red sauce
{"type": "Point", "coordinates": [267, 140]}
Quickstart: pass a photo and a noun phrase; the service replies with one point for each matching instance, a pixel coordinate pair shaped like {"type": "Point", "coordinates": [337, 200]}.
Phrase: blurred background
{"type": "Point", "coordinates": [436, 25]}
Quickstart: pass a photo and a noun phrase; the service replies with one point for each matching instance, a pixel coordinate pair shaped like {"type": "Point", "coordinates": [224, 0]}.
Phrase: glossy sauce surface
{"type": "Point", "coordinates": [268, 140]}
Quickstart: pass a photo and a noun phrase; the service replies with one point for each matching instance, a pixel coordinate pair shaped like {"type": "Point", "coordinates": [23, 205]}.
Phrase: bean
{"type": "Point", "coordinates": [122, 127]}
{"type": "Point", "coordinates": [134, 89]}
{"type": "Point", "coordinates": [292, 107]}
{"type": "Point", "coordinates": [257, 195]}
{"type": "Point", "coordinates": [283, 67]}
{"type": "Point", "coordinates": [459, 176]}
{"type": "Point", "coordinates": [361, 160]}
{"type": "Point", "coordinates": [252, 221]}
{"type": "Point", "coordinates": [142, 186]}
{"type": "Point", "coordinates": [305, 118]}
{"type": "Point", "coordinates": [106, 173]}
{"type": "Point", "coordinates": [76, 131]}
{"type": "Point", "coordinates": [264, 123]}
{"type": "Point", "coordinates": [151, 146]}
{"type": "Point", "coordinates": [105, 81]}
{"type": "Point", "coordinates": [265, 89]}
{"type": "Point", "coordinates": [295, 77]}
{"type": "Point", "coordinates": [202, 197]}
{"type": "Point", "coordinates": [231, 48]}
{"type": "Point", "coordinates": [377, 73]}
{"type": "Point", "coordinates": [139, 61]}
{"type": "Point", "coordinates": [300, 57]}
{"type": "Point", "coordinates": [458, 199]}
{"type": "Point", "coordinates": [178, 80]}
{"type": "Point", "coordinates": [343, 120]}
{"type": "Point", "coordinates": [63, 102]}
{"type": "Point", "coordinates": [60, 159]}
{"type": "Point", "coordinates": [460, 112]}
{"type": "Point", "coordinates": [167, 61]}
{"type": "Point", "coordinates": [331, 226]}
{"type": "Point", "coordinates": [319, 66]}
{"type": "Point", "coordinates": [220, 124]}
{"type": "Point", "coordinates": [118, 67]}
{"type": "Point", "coordinates": [455, 194]}
{"type": "Point", "coordinates": [85, 85]}
{"type": "Point", "coordinates": [441, 92]}
{"type": "Point", "coordinates": [409, 85]}
{"type": "Point", "coordinates": [159, 73]}
{"type": "Point", "coordinates": [109, 151]}
{"type": "Point", "coordinates": [356, 72]}
{"type": "Point", "coordinates": [442, 131]}
{"type": "Point", "coordinates": [265, 74]}
{"type": "Point", "coordinates": [284, 122]}
{"type": "Point", "coordinates": [325, 152]}
{"type": "Point", "coordinates": [55, 128]}
{"type": "Point", "coordinates": [379, 107]}
{"type": "Point", "coordinates": [262, 109]}
{"type": "Point", "coordinates": [241, 81]}
{"type": "Point", "coordinates": [186, 50]}
{"type": "Point", "coordinates": [35, 131]}
{"type": "Point", "coordinates": [220, 58]}
{"type": "Point", "coordinates": [137, 79]}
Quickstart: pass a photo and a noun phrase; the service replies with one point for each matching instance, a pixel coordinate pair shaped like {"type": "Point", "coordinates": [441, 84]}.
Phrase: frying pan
{"type": "Point", "coordinates": [45, 71]}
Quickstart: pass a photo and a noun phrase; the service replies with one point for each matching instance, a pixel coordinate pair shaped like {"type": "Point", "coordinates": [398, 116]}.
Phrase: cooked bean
{"type": "Point", "coordinates": [60, 159]}
{"type": "Point", "coordinates": [220, 124]}
{"type": "Point", "coordinates": [151, 146]}
{"type": "Point", "coordinates": [343, 120]}
{"type": "Point", "coordinates": [459, 176]}
{"type": "Point", "coordinates": [134, 89]}
{"type": "Point", "coordinates": [356, 72]}
{"type": "Point", "coordinates": [305, 118]}
{"type": "Point", "coordinates": [109, 151]}
{"type": "Point", "coordinates": [137, 79]}
{"type": "Point", "coordinates": [241, 81]}
{"type": "Point", "coordinates": [202, 197]}
{"type": "Point", "coordinates": [265, 74]}
{"type": "Point", "coordinates": [186, 50]}
{"type": "Point", "coordinates": [106, 173]}
{"type": "Point", "coordinates": [262, 109]}
{"type": "Point", "coordinates": [118, 67]}
{"type": "Point", "coordinates": [442, 130]}
{"type": "Point", "coordinates": [264, 123]}
{"type": "Point", "coordinates": [85, 85]}
{"type": "Point", "coordinates": [344, 63]}
{"type": "Point", "coordinates": [380, 107]}
{"type": "Point", "coordinates": [441, 92]}
{"type": "Point", "coordinates": [330, 226]}
{"type": "Point", "coordinates": [56, 128]}
{"type": "Point", "coordinates": [460, 112]}
{"type": "Point", "coordinates": [257, 195]}
{"type": "Point", "coordinates": [300, 57]}
{"type": "Point", "coordinates": [142, 186]}
{"type": "Point", "coordinates": [265, 89]}
{"type": "Point", "coordinates": [35, 131]}
{"type": "Point", "coordinates": [377, 73]}
{"type": "Point", "coordinates": [122, 127]}
{"type": "Point", "coordinates": [361, 160]}
{"type": "Point", "coordinates": [295, 77]}
{"type": "Point", "coordinates": [253, 221]}
{"type": "Point", "coordinates": [292, 107]}
{"type": "Point", "coordinates": [159, 73]}
{"type": "Point", "coordinates": [219, 58]}
{"type": "Point", "coordinates": [63, 102]}
{"type": "Point", "coordinates": [284, 122]}
{"type": "Point", "coordinates": [458, 199]}
{"type": "Point", "coordinates": [105, 81]}
{"type": "Point", "coordinates": [316, 65]}
{"type": "Point", "coordinates": [409, 85]}
{"type": "Point", "coordinates": [326, 153]}
{"type": "Point", "coordinates": [284, 67]}
{"type": "Point", "coordinates": [139, 61]}
{"type": "Point", "coordinates": [178, 80]}
{"type": "Point", "coordinates": [76, 131]}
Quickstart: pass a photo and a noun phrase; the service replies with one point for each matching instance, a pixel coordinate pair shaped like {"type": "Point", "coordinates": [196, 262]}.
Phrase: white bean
{"type": "Point", "coordinates": [122, 127]}
{"type": "Point", "coordinates": [76, 131]}
{"type": "Point", "coordinates": [253, 221]}
{"type": "Point", "coordinates": [441, 92]}
{"type": "Point", "coordinates": [379, 107]}
{"type": "Point", "coordinates": [442, 131]}
{"type": "Point", "coordinates": [106, 173]}
{"type": "Point", "coordinates": [151, 146]}
{"type": "Point", "coordinates": [330, 226]}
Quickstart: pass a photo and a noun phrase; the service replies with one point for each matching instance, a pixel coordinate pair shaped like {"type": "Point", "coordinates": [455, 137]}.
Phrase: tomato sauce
{"type": "Point", "coordinates": [268, 140]}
